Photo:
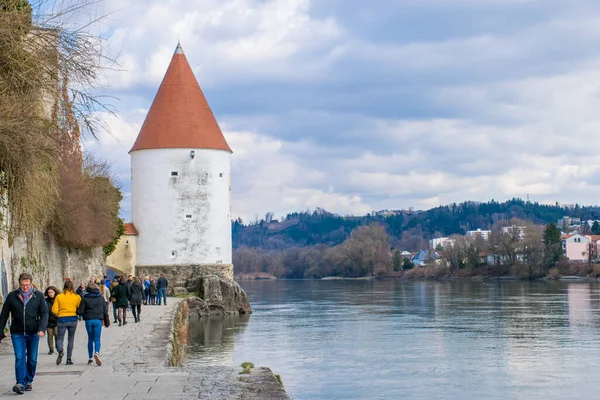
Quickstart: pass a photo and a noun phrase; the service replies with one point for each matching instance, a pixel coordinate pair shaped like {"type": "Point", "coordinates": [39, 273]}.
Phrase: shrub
{"type": "Point", "coordinates": [595, 271]}
{"type": "Point", "coordinates": [88, 206]}
{"type": "Point", "coordinates": [527, 271]}
{"type": "Point", "coordinates": [580, 269]}
{"type": "Point", "coordinates": [247, 367]}
{"type": "Point", "coordinates": [554, 273]}
{"type": "Point", "coordinates": [428, 272]}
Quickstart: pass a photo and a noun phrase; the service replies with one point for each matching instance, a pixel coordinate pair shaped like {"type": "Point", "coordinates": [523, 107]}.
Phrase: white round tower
{"type": "Point", "coordinates": [181, 178]}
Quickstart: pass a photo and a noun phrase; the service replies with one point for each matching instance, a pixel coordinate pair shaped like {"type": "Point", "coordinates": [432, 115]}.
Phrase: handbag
{"type": "Point", "coordinates": [106, 319]}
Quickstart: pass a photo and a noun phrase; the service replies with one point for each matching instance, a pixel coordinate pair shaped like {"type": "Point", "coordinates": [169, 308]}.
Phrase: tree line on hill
{"type": "Point", "coordinates": [318, 244]}
{"type": "Point", "coordinates": [408, 229]}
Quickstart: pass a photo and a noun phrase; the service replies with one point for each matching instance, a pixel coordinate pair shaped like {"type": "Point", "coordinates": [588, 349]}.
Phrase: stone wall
{"type": "Point", "coordinates": [47, 261]}
{"type": "Point", "coordinates": [178, 275]}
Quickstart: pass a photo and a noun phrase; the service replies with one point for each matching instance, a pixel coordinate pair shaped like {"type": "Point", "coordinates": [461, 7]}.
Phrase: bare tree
{"type": "Point", "coordinates": [50, 65]}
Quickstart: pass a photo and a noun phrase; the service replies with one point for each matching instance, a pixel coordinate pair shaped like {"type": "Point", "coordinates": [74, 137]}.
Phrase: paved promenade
{"type": "Point", "coordinates": [134, 358]}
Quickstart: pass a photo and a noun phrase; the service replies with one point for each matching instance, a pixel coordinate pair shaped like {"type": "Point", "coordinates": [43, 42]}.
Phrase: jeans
{"type": "Point", "coordinates": [52, 334]}
{"type": "Point", "coordinates": [114, 312]}
{"type": "Point", "coordinates": [63, 327]}
{"type": "Point", "coordinates": [162, 294]}
{"type": "Point", "coordinates": [94, 330]}
{"type": "Point", "coordinates": [146, 296]}
{"type": "Point", "coordinates": [26, 350]}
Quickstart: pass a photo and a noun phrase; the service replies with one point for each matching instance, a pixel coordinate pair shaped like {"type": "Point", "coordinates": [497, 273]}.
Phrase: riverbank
{"type": "Point", "coordinates": [563, 271]}
{"type": "Point", "coordinates": [135, 358]}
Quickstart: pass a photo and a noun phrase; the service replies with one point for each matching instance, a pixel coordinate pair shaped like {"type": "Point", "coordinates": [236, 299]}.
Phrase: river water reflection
{"type": "Point", "coordinates": [415, 340]}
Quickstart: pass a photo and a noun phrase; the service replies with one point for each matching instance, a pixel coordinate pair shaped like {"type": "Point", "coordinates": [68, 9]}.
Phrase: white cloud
{"type": "Point", "coordinates": [474, 117]}
{"type": "Point", "coordinates": [267, 177]}
{"type": "Point", "coordinates": [225, 40]}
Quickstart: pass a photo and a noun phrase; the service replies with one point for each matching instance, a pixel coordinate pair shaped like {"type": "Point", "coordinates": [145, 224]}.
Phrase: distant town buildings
{"type": "Point", "coordinates": [590, 222]}
{"type": "Point", "coordinates": [577, 246]}
{"type": "Point", "coordinates": [566, 224]}
{"type": "Point", "coordinates": [515, 230]}
{"type": "Point", "coordinates": [484, 234]}
{"type": "Point", "coordinates": [440, 242]}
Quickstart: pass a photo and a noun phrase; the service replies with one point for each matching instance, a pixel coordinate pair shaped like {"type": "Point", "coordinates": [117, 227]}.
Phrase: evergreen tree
{"type": "Point", "coordinates": [552, 245]}
{"type": "Point", "coordinates": [407, 264]}
{"type": "Point", "coordinates": [595, 228]}
{"type": "Point", "coordinates": [397, 261]}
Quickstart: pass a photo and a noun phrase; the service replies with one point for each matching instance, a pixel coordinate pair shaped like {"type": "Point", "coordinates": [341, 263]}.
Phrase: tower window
{"type": "Point", "coordinates": [218, 251]}
{"type": "Point", "coordinates": [220, 174]}
{"type": "Point", "coordinates": [174, 173]}
{"type": "Point", "coordinates": [188, 216]}
{"type": "Point", "coordinates": [173, 254]}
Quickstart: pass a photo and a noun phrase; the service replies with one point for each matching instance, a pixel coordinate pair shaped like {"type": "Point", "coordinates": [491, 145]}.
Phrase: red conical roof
{"type": "Point", "coordinates": [180, 116]}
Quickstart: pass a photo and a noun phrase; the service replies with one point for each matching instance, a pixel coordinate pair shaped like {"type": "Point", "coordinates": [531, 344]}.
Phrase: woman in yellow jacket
{"type": "Point", "coordinates": [65, 308]}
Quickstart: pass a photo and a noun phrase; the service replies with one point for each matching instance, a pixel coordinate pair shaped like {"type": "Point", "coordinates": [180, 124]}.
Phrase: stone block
{"type": "Point", "coordinates": [178, 291]}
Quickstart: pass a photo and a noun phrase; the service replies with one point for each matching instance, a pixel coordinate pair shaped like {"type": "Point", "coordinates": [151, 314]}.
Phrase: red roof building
{"type": "Point", "coordinates": [180, 116]}
{"type": "Point", "coordinates": [129, 229]}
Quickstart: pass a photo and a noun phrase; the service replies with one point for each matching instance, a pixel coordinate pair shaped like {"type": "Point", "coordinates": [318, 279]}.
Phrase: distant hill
{"type": "Point", "coordinates": [408, 229]}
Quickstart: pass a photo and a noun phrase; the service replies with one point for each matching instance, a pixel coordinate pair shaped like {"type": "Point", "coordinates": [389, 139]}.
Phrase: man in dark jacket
{"type": "Point", "coordinates": [161, 286]}
{"type": "Point", "coordinates": [29, 315]}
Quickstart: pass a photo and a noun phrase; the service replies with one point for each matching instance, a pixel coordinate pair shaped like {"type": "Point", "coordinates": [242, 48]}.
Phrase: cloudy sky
{"type": "Point", "coordinates": [355, 106]}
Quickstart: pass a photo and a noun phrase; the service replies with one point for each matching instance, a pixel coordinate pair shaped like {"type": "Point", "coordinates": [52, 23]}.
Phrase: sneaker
{"type": "Point", "coordinates": [69, 361]}
{"type": "Point", "coordinates": [18, 389]}
{"type": "Point", "coordinates": [60, 357]}
{"type": "Point", "coordinates": [90, 361]}
{"type": "Point", "coordinates": [97, 358]}
{"type": "Point", "coordinates": [124, 322]}
{"type": "Point", "coordinates": [51, 352]}
{"type": "Point", "coordinates": [28, 387]}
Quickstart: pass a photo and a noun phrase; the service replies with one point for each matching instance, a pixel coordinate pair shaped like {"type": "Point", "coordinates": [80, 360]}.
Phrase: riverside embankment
{"type": "Point", "coordinates": [135, 366]}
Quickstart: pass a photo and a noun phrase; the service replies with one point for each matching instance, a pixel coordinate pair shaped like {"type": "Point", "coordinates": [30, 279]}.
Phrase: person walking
{"type": "Point", "coordinates": [104, 291]}
{"type": "Point", "coordinates": [121, 293]}
{"type": "Point", "coordinates": [52, 330]}
{"type": "Point", "coordinates": [153, 292]}
{"type": "Point", "coordinates": [113, 285]}
{"type": "Point", "coordinates": [65, 307]}
{"type": "Point", "coordinates": [135, 299]}
{"type": "Point", "coordinates": [147, 291]}
{"type": "Point", "coordinates": [161, 286]}
{"type": "Point", "coordinates": [93, 308]}
{"type": "Point", "coordinates": [28, 312]}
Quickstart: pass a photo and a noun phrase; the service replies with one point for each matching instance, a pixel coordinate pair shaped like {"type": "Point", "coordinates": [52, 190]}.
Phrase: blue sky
{"type": "Point", "coordinates": [356, 106]}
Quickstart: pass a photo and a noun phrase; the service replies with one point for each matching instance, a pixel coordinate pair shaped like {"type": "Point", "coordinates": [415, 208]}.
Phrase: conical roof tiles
{"type": "Point", "coordinates": [180, 116]}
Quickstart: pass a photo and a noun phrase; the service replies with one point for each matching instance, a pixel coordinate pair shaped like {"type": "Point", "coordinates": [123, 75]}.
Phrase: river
{"type": "Point", "coordinates": [414, 340]}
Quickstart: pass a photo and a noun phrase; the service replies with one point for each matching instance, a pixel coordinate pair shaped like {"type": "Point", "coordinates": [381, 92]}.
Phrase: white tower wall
{"type": "Point", "coordinates": [182, 219]}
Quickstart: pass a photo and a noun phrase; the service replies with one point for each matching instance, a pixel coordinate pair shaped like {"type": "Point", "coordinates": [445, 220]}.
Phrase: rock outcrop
{"type": "Point", "coordinates": [217, 297]}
